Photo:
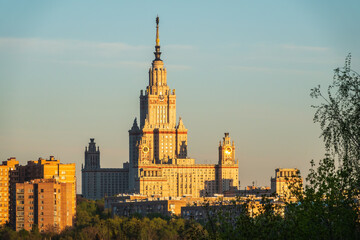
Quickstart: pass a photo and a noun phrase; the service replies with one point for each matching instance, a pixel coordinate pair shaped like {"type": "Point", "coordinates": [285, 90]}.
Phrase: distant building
{"type": "Point", "coordinates": [35, 171]}
{"type": "Point", "coordinates": [158, 153]}
{"type": "Point", "coordinates": [230, 210]}
{"type": "Point", "coordinates": [130, 204]}
{"type": "Point", "coordinates": [5, 172]}
{"type": "Point", "coordinates": [100, 182]}
{"type": "Point", "coordinates": [122, 198]}
{"type": "Point", "coordinates": [284, 178]}
{"type": "Point", "coordinates": [159, 162]}
{"type": "Point", "coordinates": [202, 213]}
{"type": "Point", "coordinates": [250, 191]}
{"type": "Point", "coordinates": [44, 169]}
{"type": "Point", "coordinates": [164, 207]}
{"type": "Point", "coordinates": [44, 202]}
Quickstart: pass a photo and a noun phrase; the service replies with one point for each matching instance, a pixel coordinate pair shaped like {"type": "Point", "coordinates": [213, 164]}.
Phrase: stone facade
{"type": "Point", "coordinates": [44, 202]}
{"type": "Point", "coordinates": [100, 182]}
{"type": "Point", "coordinates": [159, 163]}
{"type": "Point", "coordinates": [45, 169]}
{"type": "Point", "coordinates": [127, 205]}
{"type": "Point", "coordinates": [165, 207]}
{"type": "Point", "coordinates": [6, 169]}
{"type": "Point", "coordinates": [158, 153]}
{"type": "Point", "coordinates": [285, 177]}
{"type": "Point", "coordinates": [17, 206]}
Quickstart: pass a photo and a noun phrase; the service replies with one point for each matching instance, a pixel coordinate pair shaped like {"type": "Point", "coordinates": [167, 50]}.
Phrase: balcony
{"type": "Point", "coordinates": [19, 213]}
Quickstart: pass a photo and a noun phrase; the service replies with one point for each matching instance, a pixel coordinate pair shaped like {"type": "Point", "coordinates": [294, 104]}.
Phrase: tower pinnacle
{"type": "Point", "coordinates": [157, 31]}
{"type": "Point", "coordinates": [157, 46]}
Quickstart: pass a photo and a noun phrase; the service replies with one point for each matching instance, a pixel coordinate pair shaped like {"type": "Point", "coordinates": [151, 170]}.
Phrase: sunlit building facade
{"type": "Point", "coordinates": [284, 180]}
{"type": "Point", "coordinates": [6, 169]}
{"type": "Point", "coordinates": [38, 170]}
{"type": "Point", "coordinates": [158, 150]}
{"type": "Point", "coordinates": [159, 162]}
{"type": "Point", "coordinates": [46, 169]}
{"type": "Point", "coordinates": [44, 202]}
{"type": "Point", "coordinates": [19, 200]}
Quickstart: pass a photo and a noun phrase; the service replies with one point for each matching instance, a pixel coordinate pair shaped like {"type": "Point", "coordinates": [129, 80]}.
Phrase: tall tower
{"type": "Point", "coordinates": [159, 138]}
{"type": "Point", "coordinates": [99, 182]}
{"type": "Point", "coordinates": [228, 166]}
{"type": "Point", "coordinates": [92, 156]}
{"type": "Point", "coordinates": [226, 151]}
{"type": "Point", "coordinates": [89, 186]}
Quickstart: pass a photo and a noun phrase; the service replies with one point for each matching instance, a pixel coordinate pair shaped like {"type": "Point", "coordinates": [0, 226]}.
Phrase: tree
{"type": "Point", "coordinates": [327, 207]}
{"type": "Point", "coordinates": [339, 115]}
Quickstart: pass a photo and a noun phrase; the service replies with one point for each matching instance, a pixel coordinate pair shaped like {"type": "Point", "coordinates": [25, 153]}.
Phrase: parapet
{"type": "Point", "coordinates": [183, 161]}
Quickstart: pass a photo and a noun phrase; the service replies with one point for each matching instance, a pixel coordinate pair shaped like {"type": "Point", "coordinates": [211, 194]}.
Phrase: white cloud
{"type": "Point", "coordinates": [273, 70]}
{"type": "Point", "coordinates": [112, 64]}
{"type": "Point", "coordinates": [305, 48]}
{"type": "Point", "coordinates": [75, 52]}
{"type": "Point", "coordinates": [179, 47]}
{"type": "Point", "coordinates": [59, 46]}
{"type": "Point", "coordinates": [83, 53]}
{"type": "Point", "coordinates": [64, 46]}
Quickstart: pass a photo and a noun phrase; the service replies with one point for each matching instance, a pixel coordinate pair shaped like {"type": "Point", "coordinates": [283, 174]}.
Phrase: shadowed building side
{"type": "Point", "coordinates": [99, 182]}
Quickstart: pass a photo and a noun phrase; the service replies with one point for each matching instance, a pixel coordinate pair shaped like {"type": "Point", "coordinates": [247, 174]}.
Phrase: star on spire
{"type": "Point", "coordinates": [157, 45]}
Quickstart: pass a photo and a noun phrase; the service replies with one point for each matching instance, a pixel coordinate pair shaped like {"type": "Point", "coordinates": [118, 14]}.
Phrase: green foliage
{"type": "Point", "coordinates": [328, 206]}
{"type": "Point", "coordinates": [244, 220]}
{"type": "Point", "coordinates": [8, 233]}
{"type": "Point", "coordinates": [93, 222]}
{"type": "Point", "coordinates": [339, 115]}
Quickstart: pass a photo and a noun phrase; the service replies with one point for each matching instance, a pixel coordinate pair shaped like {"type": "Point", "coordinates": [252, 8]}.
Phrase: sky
{"type": "Point", "coordinates": [73, 70]}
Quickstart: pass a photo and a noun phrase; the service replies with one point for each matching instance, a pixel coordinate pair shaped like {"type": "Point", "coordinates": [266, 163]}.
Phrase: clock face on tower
{"type": "Point", "coordinates": [145, 149]}
{"type": "Point", "coordinates": [145, 155]}
{"type": "Point", "coordinates": [228, 151]}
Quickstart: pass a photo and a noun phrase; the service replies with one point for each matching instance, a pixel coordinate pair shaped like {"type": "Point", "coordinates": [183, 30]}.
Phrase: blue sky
{"type": "Point", "coordinates": [71, 70]}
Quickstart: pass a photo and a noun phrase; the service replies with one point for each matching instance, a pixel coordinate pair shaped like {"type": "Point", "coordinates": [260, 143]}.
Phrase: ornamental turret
{"type": "Point", "coordinates": [226, 151]}
{"type": "Point", "coordinates": [92, 156]}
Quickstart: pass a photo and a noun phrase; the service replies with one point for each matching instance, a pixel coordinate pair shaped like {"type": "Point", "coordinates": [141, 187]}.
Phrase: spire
{"type": "Point", "coordinates": [135, 126]}
{"type": "Point", "coordinates": [180, 124]}
{"type": "Point", "coordinates": [157, 32]}
{"type": "Point", "coordinates": [157, 45]}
